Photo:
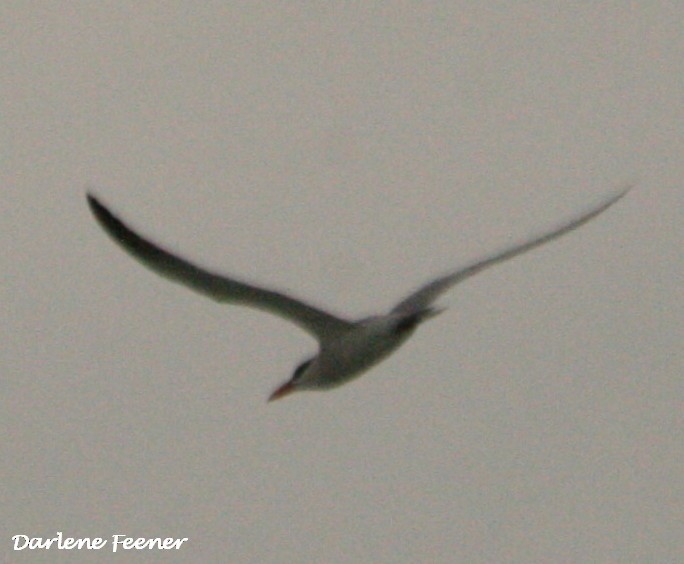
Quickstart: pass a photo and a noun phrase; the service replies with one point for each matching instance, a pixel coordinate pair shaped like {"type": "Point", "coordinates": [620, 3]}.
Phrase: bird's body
{"type": "Point", "coordinates": [347, 348]}
{"type": "Point", "coordinates": [370, 340]}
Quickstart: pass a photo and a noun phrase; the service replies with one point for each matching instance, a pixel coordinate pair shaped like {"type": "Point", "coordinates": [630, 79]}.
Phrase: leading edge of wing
{"type": "Point", "coordinates": [221, 288]}
{"type": "Point", "coordinates": [425, 295]}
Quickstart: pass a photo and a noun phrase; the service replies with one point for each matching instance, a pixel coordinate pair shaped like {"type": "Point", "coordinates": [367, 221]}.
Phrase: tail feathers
{"type": "Point", "coordinates": [411, 321]}
{"type": "Point", "coordinates": [431, 312]}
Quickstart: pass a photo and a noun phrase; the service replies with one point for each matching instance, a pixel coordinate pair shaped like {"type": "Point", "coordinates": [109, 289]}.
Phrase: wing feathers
{"type": "Point", "coordinates": [425, 295]}
{"type": "Point", "coordinates": [218, 287]}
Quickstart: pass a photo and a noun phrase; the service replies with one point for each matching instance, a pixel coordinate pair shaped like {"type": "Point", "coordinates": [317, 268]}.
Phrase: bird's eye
{"type": "Point", "coordinates": [300, 370]}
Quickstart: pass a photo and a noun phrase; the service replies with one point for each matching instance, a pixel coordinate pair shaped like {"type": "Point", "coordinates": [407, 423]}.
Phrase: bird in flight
{"type": "Point", "coordinates": [347, 348]}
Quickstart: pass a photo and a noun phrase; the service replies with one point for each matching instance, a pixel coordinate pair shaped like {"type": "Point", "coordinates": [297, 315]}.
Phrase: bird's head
{"type": "Point", "coordinates": [296, 382]}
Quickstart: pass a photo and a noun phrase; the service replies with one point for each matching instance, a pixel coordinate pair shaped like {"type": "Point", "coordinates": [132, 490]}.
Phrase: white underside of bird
{"type": "Point", "coordinates": [346, 348]}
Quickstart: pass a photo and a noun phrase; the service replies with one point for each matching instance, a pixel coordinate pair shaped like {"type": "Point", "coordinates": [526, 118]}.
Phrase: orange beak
{"type": "Point", "coordinates": [284, 390]}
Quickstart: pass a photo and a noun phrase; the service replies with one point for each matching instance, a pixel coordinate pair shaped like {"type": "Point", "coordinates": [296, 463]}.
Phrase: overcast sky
{"type": "Point", "coordinates": [345, 152]}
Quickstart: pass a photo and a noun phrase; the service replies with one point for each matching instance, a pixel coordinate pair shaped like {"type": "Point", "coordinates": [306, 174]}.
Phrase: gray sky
{"type": "Point", "coordinates": [346, 153]}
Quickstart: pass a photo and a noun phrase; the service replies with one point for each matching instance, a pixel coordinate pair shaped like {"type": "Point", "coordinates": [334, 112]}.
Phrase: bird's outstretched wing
{"type": "Point", "coordinates": [322, 325]}
{"type": "Point", "coordinates": [425, 295]}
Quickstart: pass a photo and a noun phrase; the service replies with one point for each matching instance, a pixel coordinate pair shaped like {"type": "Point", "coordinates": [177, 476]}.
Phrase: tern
{"type": "Point", "coordinates": [347, 348]}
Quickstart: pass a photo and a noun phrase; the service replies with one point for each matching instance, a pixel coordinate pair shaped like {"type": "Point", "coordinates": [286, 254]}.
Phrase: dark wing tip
{"type": "Point", "coordinates": [99, 211]}
{"type": "Point", "coordinates": [109, 222]}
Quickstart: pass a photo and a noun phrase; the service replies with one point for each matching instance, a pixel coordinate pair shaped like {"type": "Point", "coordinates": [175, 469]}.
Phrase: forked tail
{"type": "Point", "coordinates": [411, 321]}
